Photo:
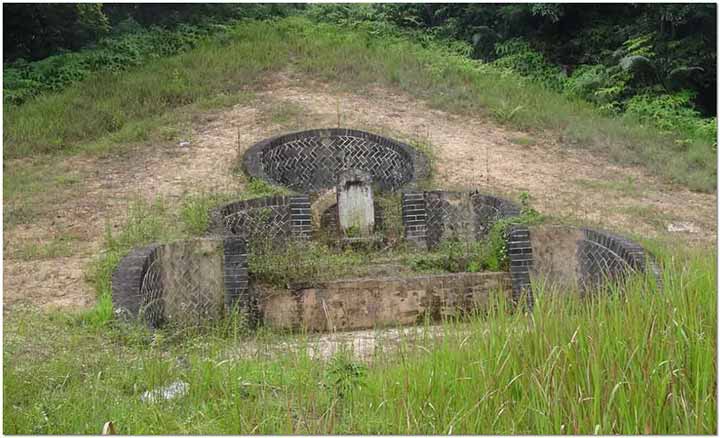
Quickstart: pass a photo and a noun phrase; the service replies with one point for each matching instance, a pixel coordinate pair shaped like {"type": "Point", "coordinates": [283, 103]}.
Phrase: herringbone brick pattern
{"type": "Point", "coordinates": [263, 223]}
{"type": "Point", "coordinates": [445, 220]}
{"type": "Point", "coordinates": [152, 307]}
{"type": "Point", "coordinates": [314, 162]}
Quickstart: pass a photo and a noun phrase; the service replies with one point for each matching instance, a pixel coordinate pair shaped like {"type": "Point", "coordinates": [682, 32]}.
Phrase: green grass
{"type": "Point", "coordinates": [157, 222]}
{"type": "Point", "coordinates": [285, 113]}
{"type": "Point", "coordinates": [105, 104]}
{"type": "Point", "coordinates": [523, 141]}
{"type": "Point", "coordinates": [649, 214]}
{"type": "Point", "coordinates": [642, 361]}
{"type": "Point", "coordinates": [33, 188]}
{"type": "Point", "coordinates": [59, 246]}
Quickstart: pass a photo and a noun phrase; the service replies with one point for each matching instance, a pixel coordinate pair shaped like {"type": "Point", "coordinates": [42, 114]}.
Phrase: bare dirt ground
{"type": "Point", "coordinates": [469, 153]}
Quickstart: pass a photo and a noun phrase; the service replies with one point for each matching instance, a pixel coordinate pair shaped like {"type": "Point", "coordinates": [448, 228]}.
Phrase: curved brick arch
{"type": "Point", "coordinates": [311, 160]}
{"type": "Point", "coordinates": [605, 257]}
{"type": "Point", "coordinates": [277, 218]}
{"type": "Point", "coordinates": [189, 281]}
{"type": "Point", "coordinates": [432, 216]}
{"type": "Point", "coordinates": [572, 258]}
{"type": "Point", "coordinates": [127, 280]}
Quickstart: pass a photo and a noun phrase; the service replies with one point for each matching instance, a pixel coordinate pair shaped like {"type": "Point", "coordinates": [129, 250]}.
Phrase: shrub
{"type": "Point", "coordinates": [517, 55]}
{"type": "Point", "coordinates": [598, 84]}
{"type": "Point", "coordinates": [673, 113]}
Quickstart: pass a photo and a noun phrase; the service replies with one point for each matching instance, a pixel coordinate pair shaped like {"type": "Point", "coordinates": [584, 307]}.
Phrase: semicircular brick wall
{"type": "Point", "coordinates": [311, 160]}
{"type": "Point", "coordinates": [566, 258]}
{"type": "Point", "coordinates": [198, 280]}
{"type": "Point", "coordinates": [273, 218]}
{"type": "Point", "coordinates": [433, 216]}
{"type": "Point", "coordinates": [185, 282]}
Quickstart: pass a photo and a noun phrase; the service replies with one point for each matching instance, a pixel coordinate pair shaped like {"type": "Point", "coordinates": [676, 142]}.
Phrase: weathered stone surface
{"type": "Point", "coordinates": [450, 215]}
{"type": "Point", "coordinates": [567, 259]}
{"type": "Point", "coordinates": [555, 257]}
{"type": "Point", "coordinates": [329, 217]}
{"type": "Point", "coordinates": [367, 303]}
{"type": "Point", "coordinates": [185, 282]}
{"type": "Point", "coordinates": [434, 216]}
{"type": "Point", "coordinates": [192, 280]}
{"type": "Point", "coordinates": [356, 211]}
{"type": "Point", "coordinates": [322, 215]}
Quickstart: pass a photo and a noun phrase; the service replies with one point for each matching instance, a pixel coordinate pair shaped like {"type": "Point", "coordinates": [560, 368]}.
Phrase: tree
{"type": "Point", "coordinates": [36, 30]}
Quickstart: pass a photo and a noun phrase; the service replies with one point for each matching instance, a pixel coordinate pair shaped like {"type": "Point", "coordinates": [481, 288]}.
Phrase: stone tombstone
{"type": "Point", "coordinates": [356, 213]}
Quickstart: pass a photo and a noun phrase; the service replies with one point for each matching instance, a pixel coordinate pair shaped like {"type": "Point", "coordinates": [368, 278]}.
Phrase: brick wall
{"type": "Point", "coordinates": [433, 216]}
{"type": "Point", "coordinates": [188, 281]}
{"type": "Point", "coordinates": [311, 160]}
{"type": "Point", "coordinates": [274, 218]}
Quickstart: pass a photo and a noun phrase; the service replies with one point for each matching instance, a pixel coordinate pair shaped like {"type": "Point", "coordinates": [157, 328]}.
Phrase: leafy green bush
{"type": "Point", "coordinates": [299, 261]}
{"type": "Point", "coordinates": [517, 55]}
{"type": "Point", "coordinates": [598, 84]}
{"type": "Point", "coordinates": [626, 86]}
{"type": "Point", "coordinates": [452, 255]}
{"type": "Point", "coordinates": [343, 13]}
{"type": "Point", "coordinates": [673, 113]}
{"type": "Point", "coordinates": [24, 80]}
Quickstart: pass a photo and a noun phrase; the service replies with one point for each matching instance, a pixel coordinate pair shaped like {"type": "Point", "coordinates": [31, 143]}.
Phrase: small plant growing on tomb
{"type": "Point", "coordinates": [527, 212]}
{"type": "Point", "coordinates": [352, 231]}
{"type": "Point", "coordinates": [452, 256]}
{"type": "Point", "coordinates": [256, 187]}
{"type": "Point", "coordinates": [497, 257]}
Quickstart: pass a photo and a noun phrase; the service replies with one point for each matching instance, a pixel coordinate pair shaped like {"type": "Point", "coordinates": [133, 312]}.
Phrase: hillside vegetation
{"type": "Point", "coordinates": [116, 102]}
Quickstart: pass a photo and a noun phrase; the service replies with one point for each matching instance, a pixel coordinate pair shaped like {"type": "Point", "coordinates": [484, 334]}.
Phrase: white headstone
{"type": "Point", "coordinates": [356, 212]}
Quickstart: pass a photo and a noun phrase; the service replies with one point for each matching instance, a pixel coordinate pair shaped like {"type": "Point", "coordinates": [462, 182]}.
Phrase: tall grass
{"type": "Point", "coordinates": [242, 57]}
{"type": "Point", "coordinates": [640, 361]}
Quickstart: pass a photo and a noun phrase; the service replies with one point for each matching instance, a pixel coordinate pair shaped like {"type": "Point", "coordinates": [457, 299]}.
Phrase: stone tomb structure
{"type": "Point", "coordinates": [354, 304]}
{"type": "Point", "coordinates": [184, 282]}
{"type": "Point", "coordinates": [193, 281]}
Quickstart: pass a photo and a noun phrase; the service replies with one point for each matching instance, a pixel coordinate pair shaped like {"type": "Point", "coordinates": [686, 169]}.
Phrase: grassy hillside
{"type": "Point", "coordinates": [109, 109]}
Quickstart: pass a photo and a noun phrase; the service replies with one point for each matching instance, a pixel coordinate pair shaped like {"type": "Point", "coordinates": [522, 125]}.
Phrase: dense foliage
{"type": "Point", "coordinates": [656, 63]}
{"type": "Point", "coordinates": [114, 37]}
{"type": "Point", "coordinates": [33, 31]}
{"type": "Point", "coordinates": [635, 48]}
